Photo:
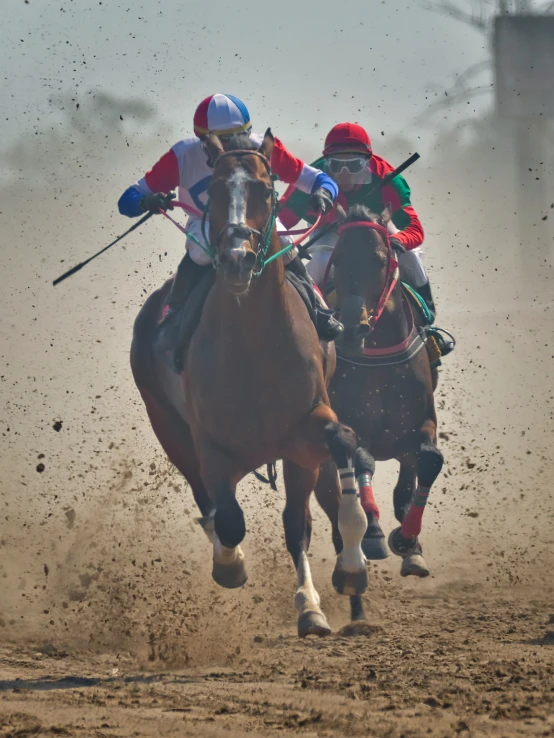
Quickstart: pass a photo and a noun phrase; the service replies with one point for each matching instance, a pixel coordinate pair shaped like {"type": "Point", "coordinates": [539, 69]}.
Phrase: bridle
{"type": "Point", "coordinates": [392, 273]}
{"type": "Point", "coordinates": [242, 230]}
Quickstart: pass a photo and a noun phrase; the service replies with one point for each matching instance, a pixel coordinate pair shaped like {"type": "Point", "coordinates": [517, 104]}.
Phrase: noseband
{"type": "Point", "coordinates": [242, 230]}
{"type": "Point", "coordinates": [392, 274]}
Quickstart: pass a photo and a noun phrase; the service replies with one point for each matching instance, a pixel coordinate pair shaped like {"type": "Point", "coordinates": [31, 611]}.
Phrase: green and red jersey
{"type": "Point", "coordinates": [295, 205]}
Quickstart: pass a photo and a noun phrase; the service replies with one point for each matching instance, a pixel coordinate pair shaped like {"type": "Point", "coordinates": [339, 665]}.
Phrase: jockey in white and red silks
{"type": "Point", "coordinates": [187, 168]}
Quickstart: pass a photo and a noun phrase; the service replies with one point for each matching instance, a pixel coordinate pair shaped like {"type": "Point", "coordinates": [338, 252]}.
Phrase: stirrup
{"type": "Point", "coordinates": [445, 340]}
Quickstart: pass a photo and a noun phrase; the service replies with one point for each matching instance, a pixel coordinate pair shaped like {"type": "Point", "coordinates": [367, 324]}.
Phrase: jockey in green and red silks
{"type": "Point", "coordinates": [349, 159]}
{"type": "Point", "coordinates": [186, 167]}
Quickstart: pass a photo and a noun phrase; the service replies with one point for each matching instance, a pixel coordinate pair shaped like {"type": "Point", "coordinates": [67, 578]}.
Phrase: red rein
{"type": "Point", "coordinates": [391, 278]}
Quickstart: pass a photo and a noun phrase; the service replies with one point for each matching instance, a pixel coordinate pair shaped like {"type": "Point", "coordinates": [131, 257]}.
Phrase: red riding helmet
{"type": "Point", "coordinates": [347, 138]}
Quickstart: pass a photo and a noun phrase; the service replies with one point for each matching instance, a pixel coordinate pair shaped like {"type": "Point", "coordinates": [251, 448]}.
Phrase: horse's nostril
{"type": "Point", "coordinates": [363, 329]}
{"type": "Point", "coordinates": [249, 260]}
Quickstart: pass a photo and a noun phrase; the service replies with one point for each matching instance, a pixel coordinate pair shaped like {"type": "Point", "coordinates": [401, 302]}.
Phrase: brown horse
{"type": "Point", "coordinates": [252, 388]}
{"type": "Point", "coordinates": [383, 387]}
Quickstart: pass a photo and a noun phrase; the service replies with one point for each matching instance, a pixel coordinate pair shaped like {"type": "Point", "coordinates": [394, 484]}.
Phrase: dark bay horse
{"type": "Point", "coordinates": [253, 388]}
{"type": "Point", "coordinates": [383, 387]}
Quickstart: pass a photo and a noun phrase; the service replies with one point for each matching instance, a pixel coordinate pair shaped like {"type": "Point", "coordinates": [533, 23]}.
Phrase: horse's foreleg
{"type": "Point", "coordinates": [429, 465]}
{"type": "Point", "coordinates": [404, 540]}
{"type": "Point", "coordinates": [373, 544]}
{"type": "Point", "coordinates": [297, 520]}
{"type": "Point", "coordinates": [405, 486]}
{"type": "Point", "coordinates": [350, 574]}
{"type": "Point", "coordinates": [176, 440]}
{"type": "Point", "coordinates": [225, 527]}
{"type": "Point", "coordinates": [329, 494]}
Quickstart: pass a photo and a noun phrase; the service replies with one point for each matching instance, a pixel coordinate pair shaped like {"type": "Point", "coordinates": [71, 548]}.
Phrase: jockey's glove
{"type": "Point", "coordinates": [157, 200]}
{"type": "Point", "coordinates": [321, 201]}
{"type": "Point", "coordinates": [396, 245]}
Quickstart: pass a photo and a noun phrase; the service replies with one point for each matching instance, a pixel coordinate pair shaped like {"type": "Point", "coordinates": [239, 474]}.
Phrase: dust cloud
{"type": "Point", "coordinates": [102, 565]}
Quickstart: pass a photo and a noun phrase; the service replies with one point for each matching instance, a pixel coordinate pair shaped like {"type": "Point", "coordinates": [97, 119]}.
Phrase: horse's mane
{"type": "Point", "coordinates": [360, 213]}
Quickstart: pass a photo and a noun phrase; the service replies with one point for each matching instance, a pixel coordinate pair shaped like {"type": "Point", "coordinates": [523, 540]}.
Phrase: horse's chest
{"type": "Point", "coordinates": [380, 404]}
{"type": "Point", "coordinates": [239, 396]}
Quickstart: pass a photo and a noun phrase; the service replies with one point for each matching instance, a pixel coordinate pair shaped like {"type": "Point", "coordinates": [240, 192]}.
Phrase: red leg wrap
{"type": "Point", "coordinates": [368, 501]}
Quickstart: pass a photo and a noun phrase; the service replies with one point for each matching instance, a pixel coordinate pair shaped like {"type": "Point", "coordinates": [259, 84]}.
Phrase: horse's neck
{"type": "Point", "coordinates": [392, 327]}
{"type": "Point", "coordinates": [256, 314]}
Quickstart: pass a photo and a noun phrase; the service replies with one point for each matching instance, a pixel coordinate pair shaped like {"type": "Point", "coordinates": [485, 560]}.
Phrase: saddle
{"type": "Point", "coordinates": [174, 332]}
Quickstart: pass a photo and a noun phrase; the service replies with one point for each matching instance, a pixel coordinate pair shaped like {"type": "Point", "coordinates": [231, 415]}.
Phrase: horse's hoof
{"type": "Point", "coordinates": [402, 546]}
{"type": "Point", "coordinates": [231, 576]}
{"type": "Point", "coordinates": [350, 583]}
{"type": "Point", "coordinates": [359, 628]}
{"type": "Point", "coordinates": [414, 566]}
{"type": "Point", "coordinates": [375, 548]}
{"type": "Point", "coordinates": [313, 623]}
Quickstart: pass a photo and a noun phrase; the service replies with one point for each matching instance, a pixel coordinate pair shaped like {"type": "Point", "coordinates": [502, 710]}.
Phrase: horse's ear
{"type": "Point", "coordinates": [386, 215]}
{"type": "Point", "coordinates": [213, 146]}
{"type": "Point", "coordinates": [267, 144]}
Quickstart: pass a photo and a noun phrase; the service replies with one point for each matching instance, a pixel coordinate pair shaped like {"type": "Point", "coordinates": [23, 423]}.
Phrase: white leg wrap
{"type": "Point", "coordinates": [352, 523]}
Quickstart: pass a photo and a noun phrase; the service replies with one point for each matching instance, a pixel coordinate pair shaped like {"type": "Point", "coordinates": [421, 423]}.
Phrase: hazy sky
{"type": "Point", "coordinates": [295, 63]}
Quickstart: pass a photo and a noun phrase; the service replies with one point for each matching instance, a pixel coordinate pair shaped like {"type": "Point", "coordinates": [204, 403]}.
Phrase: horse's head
{"type": "Point", "coordinates": [362, 261]}
{"type": "Point", "coordinates": [242, 206]}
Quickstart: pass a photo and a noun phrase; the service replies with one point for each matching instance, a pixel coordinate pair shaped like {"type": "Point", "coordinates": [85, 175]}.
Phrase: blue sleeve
{"type": "Point", "coordinates": [324, 180]}
{"type": "Point", "coordinates": [129, 202]}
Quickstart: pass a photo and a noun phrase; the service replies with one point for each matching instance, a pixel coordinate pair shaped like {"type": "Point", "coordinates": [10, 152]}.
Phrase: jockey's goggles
{"type": "Point", "coordinates": [355, 165]}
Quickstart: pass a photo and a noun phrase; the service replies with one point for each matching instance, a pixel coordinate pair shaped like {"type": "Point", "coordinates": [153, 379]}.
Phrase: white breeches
{"type": "Point", "coordinates": [194, 226]}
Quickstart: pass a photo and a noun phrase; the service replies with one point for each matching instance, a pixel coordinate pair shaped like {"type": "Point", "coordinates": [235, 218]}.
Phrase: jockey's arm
{"type": "Point", "coordinates": [300, 176]}
{"type": "Point", "coordinates": [404, 217]}
{"type": "Point", "coordinates": [288, 215]}
{"type": "Point", "coordinates": [163, 177]}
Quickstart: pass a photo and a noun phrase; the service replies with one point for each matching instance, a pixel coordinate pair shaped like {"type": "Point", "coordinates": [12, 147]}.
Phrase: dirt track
{"type": "Point", "coordinates": [111, 622]}
{"type": "Point", "coordinates": [454, 660]}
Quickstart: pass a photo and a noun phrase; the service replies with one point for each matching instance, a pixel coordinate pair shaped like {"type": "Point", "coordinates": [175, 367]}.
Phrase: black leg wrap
{"type": "Point", "coordinates": [364, 462]}
{"type": "Point", "coordinates": [429, 464]}
{"type": "Point", "coordinates": [229, 524]}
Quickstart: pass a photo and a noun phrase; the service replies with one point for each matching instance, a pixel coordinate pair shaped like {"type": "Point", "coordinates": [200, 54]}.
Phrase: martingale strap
{"type": "Point", "coordinates": [412, 346]}
{"type": "Point", "coordinates": [400, 353]}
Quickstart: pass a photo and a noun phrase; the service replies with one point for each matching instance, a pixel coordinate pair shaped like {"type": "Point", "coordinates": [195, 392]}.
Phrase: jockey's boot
{"type": "Point", "coordinates": [189, 273]}
{"type": "Point", "coordinates": [327, 326]}
{"type": "Point", "coordinates": [445, 340]}
{"type": "Point", "coordinates": [425, 292]}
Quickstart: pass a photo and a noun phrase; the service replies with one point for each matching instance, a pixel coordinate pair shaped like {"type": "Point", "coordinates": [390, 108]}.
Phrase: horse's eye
{"type": "Point", "coordinates": [268, 193]}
